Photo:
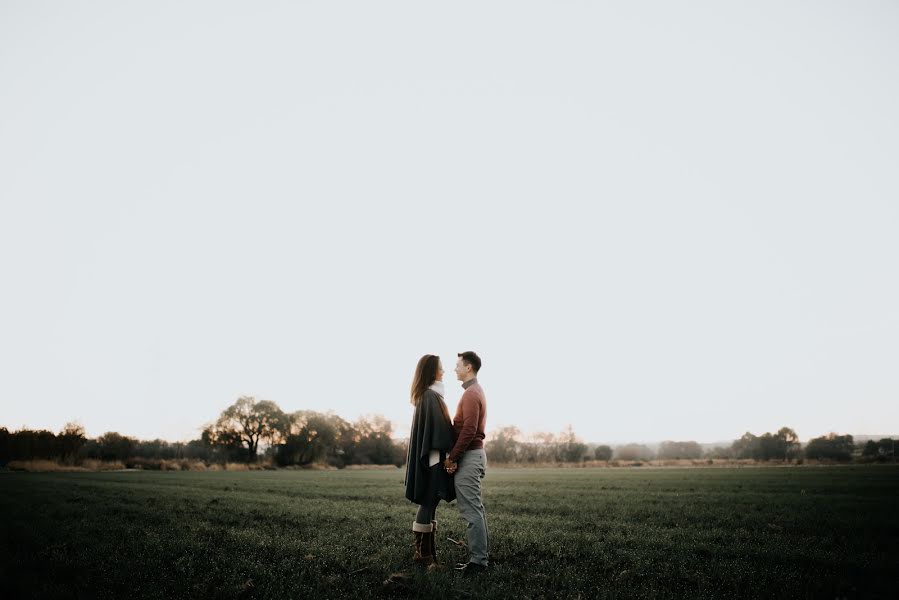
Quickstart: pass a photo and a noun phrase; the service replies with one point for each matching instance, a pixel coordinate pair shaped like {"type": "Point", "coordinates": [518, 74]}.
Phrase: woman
{"type": "Point", "coordinates": [427, 483]}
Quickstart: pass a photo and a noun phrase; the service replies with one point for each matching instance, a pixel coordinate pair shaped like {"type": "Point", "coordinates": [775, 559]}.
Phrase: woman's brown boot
{"type": "Point", "coordinates": [422, 535]}
{"type": "Point", "coordinates": [431, 542]}
{"type": "Point", "coordinates": [434, 540]}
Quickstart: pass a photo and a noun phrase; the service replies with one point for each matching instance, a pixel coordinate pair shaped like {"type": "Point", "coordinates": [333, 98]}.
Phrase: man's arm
{"type": "Point", "coordinates": [471, 414]}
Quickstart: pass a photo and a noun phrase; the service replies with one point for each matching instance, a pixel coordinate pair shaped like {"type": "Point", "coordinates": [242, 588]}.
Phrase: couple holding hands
{"type": "Point", "coordinates": [446, 459]}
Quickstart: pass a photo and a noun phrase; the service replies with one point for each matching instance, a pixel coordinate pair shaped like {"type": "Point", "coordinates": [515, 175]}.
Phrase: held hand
{"type": "Point", "coordinates": [450, 466]}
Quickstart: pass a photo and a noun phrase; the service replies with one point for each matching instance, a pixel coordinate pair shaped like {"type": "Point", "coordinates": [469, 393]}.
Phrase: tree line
{"type": "Point", "coordinates": [508, 445]}
{"type": "Point", "coordinates": [303, 437]}
{"type": "Point", "coordinates": [250, 429]}
{"type": "Point", "coordinates": [243, 432]}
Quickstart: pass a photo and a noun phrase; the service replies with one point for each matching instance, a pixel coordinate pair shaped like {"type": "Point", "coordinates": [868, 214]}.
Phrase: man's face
{"type": "Point", "coordinates": [462, 370]}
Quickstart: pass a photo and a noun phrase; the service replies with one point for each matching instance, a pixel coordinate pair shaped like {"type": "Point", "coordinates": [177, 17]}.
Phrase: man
{"type": "Point", "coordinates": [468, 460]}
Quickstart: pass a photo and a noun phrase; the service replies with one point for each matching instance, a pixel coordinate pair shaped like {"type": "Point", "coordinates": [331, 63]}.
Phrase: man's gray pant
{"type": "Point", "coordinates": [472, 468]}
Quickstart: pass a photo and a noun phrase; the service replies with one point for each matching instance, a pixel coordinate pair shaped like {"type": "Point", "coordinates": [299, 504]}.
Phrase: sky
{"type": "Point", "coordinates": [652, 221]}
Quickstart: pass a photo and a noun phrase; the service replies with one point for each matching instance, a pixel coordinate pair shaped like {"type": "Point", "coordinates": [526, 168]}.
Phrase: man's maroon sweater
{"type": "Point", "coordinates": [471, 416]}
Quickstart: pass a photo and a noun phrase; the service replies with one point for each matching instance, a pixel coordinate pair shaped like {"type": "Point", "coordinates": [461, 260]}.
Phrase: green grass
{"type": "Point", "coordinates": [642, 533]}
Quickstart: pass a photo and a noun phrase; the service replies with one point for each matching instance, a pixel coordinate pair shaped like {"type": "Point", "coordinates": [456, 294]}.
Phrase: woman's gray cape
{"type": "Point", "coordinates": [431, 430]}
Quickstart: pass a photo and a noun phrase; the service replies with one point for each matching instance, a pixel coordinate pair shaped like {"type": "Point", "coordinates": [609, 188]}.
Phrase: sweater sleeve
{"type": "Point", "coordinates": [471, 414]}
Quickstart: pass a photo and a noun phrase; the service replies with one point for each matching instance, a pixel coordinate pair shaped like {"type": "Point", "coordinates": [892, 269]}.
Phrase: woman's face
{"type": "Point", "coordinates": [439, 372]}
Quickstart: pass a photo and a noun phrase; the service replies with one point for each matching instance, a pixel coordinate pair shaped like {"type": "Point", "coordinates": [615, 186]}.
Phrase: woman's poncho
{"type": "Point", "coordinates": [432, 429]}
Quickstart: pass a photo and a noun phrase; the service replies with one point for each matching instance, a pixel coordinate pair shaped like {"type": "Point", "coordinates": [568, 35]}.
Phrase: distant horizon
{"type": "Point", "coordinates": [525, 434]}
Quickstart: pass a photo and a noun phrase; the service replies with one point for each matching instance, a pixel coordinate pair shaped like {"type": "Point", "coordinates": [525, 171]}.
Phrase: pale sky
{"type": "Point", "coordinates": [652, 220]}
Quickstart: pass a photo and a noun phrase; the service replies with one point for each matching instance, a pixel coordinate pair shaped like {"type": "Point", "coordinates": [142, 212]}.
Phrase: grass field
{"type": "Point", "coordinates": [650, 533]}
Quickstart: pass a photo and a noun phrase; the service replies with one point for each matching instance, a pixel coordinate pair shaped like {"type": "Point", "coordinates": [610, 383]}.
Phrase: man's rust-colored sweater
{"type": "Point", "coordinates": [471, 416]}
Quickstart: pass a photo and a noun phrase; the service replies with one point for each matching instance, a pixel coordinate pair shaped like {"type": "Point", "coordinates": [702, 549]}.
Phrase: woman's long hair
{"type": "Point", "coordinates": [425, 375]}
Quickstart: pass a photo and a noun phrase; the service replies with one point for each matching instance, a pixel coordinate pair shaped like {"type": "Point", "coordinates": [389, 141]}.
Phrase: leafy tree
{"type": "Point", "coordinates": [251, 422]}
{"type": "Point", "coordinates": [370, 442]}
{"type": "Point", "coordinates": [870, 449]}
{"type": "Point", "coordinates": [70, 441]}
{"type": "Point", "coordinates": [790, 442]}
{"type": "Point", "coordinates": [603, 453]}
{"type": "Point", "coordinates": [677, 450]}
{"type": "Point", "coordinates": [115, 446]}
{"type": "Point", "coordinates": [633, 452]}
{"type": "Point", "coordinates": [881, 449]}
{"type": "Point", "coordinates": [198, 450]}
{"type": "Point", "coordinates": [312, 437]}
{"type": "Point", "coordinates": [769, 446]}
{"type": "Point", "coordinates": [831, 447]}
{"type": "Point", "coordinates": [5, 446]}
{"type": "Point", "coordinates": [27, 444]}
{"type": "Point", "coordinates": [224, 445]}
{"type": "Point", "coordinates": [887, 447]}
{"type": "Point", "coordinates": [746, 446]}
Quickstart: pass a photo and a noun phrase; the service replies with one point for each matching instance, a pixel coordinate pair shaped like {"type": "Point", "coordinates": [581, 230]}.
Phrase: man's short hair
{"type": "Point", "coordinates": [470, 358]}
